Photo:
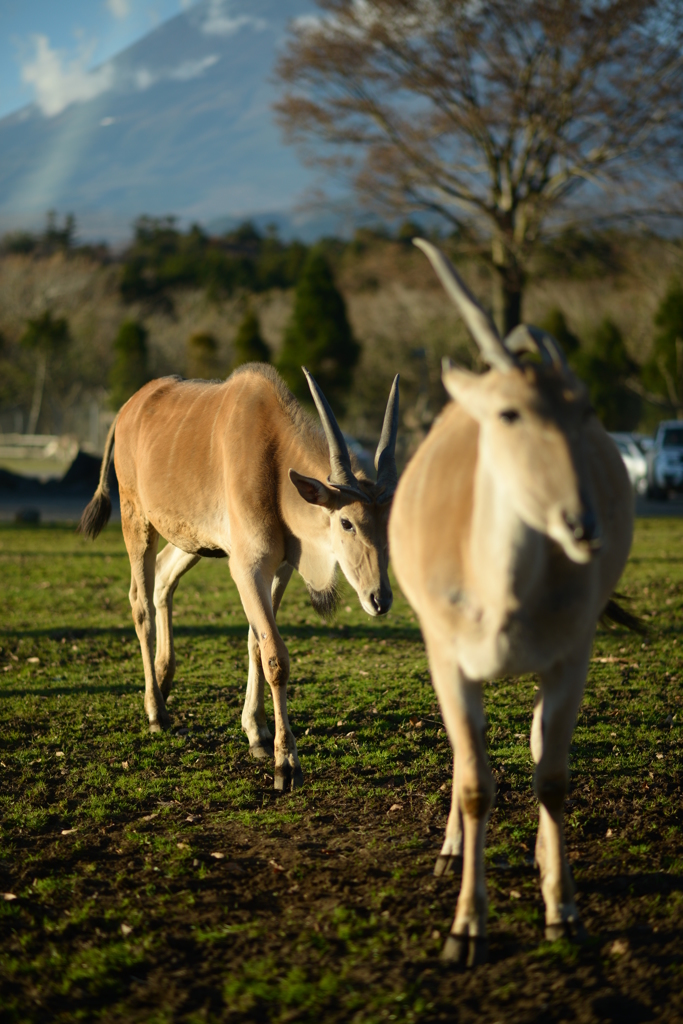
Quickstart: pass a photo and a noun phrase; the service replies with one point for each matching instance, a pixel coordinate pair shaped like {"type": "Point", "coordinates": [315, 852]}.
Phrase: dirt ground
{"type": "Point", "coordinates": [162, 879]}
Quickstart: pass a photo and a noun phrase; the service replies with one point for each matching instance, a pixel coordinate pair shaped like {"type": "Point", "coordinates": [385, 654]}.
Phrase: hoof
{"type": "Point", "coordinates": [447, 864]}
{"type": "Point", "coordinates": [455, 949]}
{"type": "Point", "coordinates": [282, 777]}
{"type": "Point", "coordinates": [465, 950]}
{"type": "Point", "coordinates": [160, 724]}
{"type": "Point", "coordinates": [286, 778]}
{"type": "Point", "coordinates": [574, 931]}
{"type": "Point", "coordinates": [262, 751]}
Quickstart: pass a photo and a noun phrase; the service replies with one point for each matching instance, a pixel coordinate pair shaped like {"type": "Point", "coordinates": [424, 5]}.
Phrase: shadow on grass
{"type": "Point", "coordinates": [638, 884]}
{"type": "Point", "coordinates": [622, 1010]}
{"type": "Point", "coordinates": [115, 689]}
{"type": "Point", "coordinates": [62, 554]}
{"type": "Point", "coordinates": [293, 632]}
{"type": "Point", "coordinates": [649, 559]}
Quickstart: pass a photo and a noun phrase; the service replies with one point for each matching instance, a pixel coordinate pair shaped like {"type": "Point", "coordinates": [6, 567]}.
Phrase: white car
{"type": "Point", "coordinates": [634, 460]}
{"type": "Point", "coordinates": [666, 458]}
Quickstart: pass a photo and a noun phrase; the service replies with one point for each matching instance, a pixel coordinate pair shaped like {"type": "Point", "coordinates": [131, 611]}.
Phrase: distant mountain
{"type": "Point", "coordinates": [179, 123]}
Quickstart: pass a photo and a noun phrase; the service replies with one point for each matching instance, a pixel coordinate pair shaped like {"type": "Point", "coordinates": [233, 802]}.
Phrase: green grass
{"type": "Point", "coordinates": [323, 906]}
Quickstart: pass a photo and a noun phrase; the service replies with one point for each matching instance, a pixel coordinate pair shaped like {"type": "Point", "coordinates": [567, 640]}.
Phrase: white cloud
{"type": "Point", "coordinates": [119, 8]}
{"type": "Point", "coordinates": [184, 72]}
{"type": "Point", "coordinates": [144, 78]}
{"type": "Point", "coordinates": [193, 68]}
{"type": "Point", "coordinates": [58, 82]}
{"type": "Point", "coordinates": [219, 23]}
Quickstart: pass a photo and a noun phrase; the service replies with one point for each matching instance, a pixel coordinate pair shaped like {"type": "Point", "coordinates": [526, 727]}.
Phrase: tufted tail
{"type": "Point", "coordinates": [96, 514]}
{"type": "Point", "coordinates": [614, 612]}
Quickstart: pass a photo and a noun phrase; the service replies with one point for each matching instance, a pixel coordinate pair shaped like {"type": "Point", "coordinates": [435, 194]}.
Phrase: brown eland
{"type": "Point", "coordinates": [509, 530]}
{"type": "Point", "coordinates": [237, 469]}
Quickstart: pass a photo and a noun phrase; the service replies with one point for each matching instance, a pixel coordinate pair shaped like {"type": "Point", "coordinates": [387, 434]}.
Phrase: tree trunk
{"type": "Point", "coordinates": [38, 388]}
{"type": "Point", "coordinates": [507, 304]}
{"type": "Point", "coordinates": [508, 286]}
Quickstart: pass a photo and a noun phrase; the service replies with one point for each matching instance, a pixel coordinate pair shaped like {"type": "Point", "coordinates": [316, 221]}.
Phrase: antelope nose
{"type": "Point", "coordinates": [380, 602]}
{"type": "Point", "coordinates": [583, 526]}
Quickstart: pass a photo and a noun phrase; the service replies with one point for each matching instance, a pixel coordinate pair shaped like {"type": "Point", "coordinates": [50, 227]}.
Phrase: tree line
{"type": "Point", "coordinates": [318, 333]}
{"type": "Point", "coordinates": [318, 336]}
{"type": "Point", "coordinates": [162, 257]}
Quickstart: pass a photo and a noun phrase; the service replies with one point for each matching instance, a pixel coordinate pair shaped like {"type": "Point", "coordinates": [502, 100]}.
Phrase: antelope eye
{"type": "Point", "coordinates": [509, 415]}
{"type": "Point", "coordinates": [347, 525]}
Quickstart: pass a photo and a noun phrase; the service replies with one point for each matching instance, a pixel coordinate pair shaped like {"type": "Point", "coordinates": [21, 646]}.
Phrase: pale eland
{"type": "Point", "coordinates": [509, 530]}
{"type": "Point", "coordinates": [237, 469]}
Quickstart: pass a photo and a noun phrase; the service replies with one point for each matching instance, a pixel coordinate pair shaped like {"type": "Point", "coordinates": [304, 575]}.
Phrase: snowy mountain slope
{"type": "Point", "coordinates": [181, 123]}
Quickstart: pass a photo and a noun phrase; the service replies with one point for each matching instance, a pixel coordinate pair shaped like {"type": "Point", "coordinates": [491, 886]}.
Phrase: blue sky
{"type": "Point", "coordinates": [62, 39]}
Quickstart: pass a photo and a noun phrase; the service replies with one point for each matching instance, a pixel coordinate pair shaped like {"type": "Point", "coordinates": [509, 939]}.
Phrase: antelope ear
{"type": "Point", "coordinates": [466, 389]}
{"type": "Point", "coordinates": [315, 492]}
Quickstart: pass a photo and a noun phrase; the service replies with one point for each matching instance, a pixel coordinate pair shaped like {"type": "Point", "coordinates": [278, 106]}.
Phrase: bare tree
{"type": "Point", "coordinates": [491, 113]}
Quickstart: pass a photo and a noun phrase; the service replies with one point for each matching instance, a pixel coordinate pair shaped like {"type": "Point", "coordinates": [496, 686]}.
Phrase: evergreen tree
{"type": "Point", "coordinates": [202, 356]}
{"type": "Point", "coordinates": [408, 230]}
{"type": "Point", "coordinates": [318, 335]}
{"type": "Point", "coordinates": [249, 344]}
{"type": "Point", "coordinates": [605, 369]}
{"type": "Point", "coordinates": [129, 371]}
{"type": "Point", "coordinates": [663, 372]}
{"type": "Point", "coordinates": [556, 324]}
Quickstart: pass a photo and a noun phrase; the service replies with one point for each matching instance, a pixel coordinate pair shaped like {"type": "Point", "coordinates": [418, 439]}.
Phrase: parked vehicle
{"type": "Point", "coordinates": [644, 442]}
{"type": "Point", "coordinates": [665, 459]}
{"type": "Point", "coordinates": [634, 460]}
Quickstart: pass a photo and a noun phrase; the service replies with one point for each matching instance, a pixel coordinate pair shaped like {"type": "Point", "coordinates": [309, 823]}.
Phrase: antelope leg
{"type": "Point", "coordinates": [255, 584]}
{"type": "Point", "coordinates": [450, 856]}
{"type": "Point", "coordinates": [141, 542]}
{"type": "Point", "coordinates": [171, 564]}
{"type": "Point", "coordinates": [254, 720]}
{"type": "Point", "coordinates": [463, 715]}
{"type": "Point", "coordinates": [557, 705]}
